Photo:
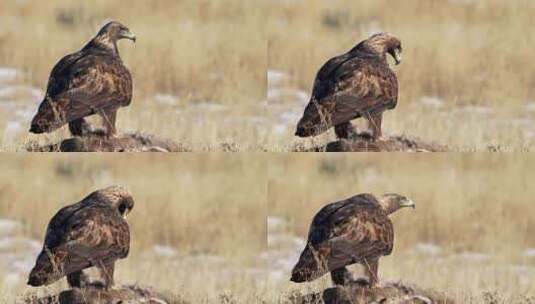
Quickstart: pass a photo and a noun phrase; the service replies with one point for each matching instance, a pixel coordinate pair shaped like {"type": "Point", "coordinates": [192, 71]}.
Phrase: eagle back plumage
{"type": "Point", "coordinates": [340, 219]}
{"type": "Point", "coordinates": [84, 83]}
{"type": "Point", "coordinates": [80, 235]}
{"type": "Point", "coordinates": [346, 86]}
{"type": "Point", "coordinates": [344, 233]}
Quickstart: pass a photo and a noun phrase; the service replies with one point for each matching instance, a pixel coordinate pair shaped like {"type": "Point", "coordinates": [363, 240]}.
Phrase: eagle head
{"type": "Point", "coordinates": [114, 31]}
{"type": "Point", "coordinates": [395, 50]}
{"type": "Point", "coordinates": [118, 197]}
{"type": "Point", "coordinates": [383, 43]}
{"type": "Point", "coordinates": [392, 202]}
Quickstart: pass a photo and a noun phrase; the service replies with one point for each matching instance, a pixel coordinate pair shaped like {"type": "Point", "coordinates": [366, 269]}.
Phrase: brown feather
{"type": "Point", "coordinates": [90, 81]}
{"type": "Point", "coordinates": [355, 84]}
{"type": "Point", "coordinates": [343, 233]}
{"type": "Point", "coordinates": [85, 234]}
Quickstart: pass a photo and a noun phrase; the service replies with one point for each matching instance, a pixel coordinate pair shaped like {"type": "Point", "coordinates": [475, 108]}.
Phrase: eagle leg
{"type": "Point", "coordinates": [341, 276]}
{"type": "Point", "coordinates": [344, 130]}
{"type": "Point", "coordinates": [375, 122]}
{"type": "Point", "coordinates": [78, 279]}
{"type": "Point", "coordinates": [371, 266]}
{"type": "Point", "coordinates": [106, 272]}
{"type": "Point", "coordinates": [79, 127]}
{"type": "Point", "coordinates": [109, 117]}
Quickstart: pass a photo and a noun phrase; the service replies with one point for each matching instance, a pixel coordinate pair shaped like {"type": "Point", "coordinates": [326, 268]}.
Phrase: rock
{"type": "Point", "coordinates": [398, 143]}
{"type": "Point", "coordinates": [134, 142]}
{"type": "Point", "coordinates": [387, 293]}
{"type": "Point", "coordinates": [92, 295]}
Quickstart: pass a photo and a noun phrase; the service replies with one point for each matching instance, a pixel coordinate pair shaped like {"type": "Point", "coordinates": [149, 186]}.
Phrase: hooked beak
{"type": "Point", "coordinates": [397, 56]}
{"type": "Point", "coordinates": [129, 35]}
{"type": "Point", "coordinates": [408, 203]}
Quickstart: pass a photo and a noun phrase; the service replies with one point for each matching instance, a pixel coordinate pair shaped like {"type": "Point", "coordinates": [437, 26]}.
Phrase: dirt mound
{"type": "Point", "coordinates": [134, 142]}
{"type": "Point", "coordinates": [125, 294]}
{"type": "Point", "coordinates": [360, 293]}
{"type": "Point", "coordinates": [397, 143]}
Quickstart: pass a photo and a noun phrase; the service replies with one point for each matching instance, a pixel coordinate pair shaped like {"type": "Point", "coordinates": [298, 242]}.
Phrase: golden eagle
{"type": "Point", "coordinates": [356, 84]}
{"type": "Point", "coordinates": [92, 232]}
{"type": "Point", "coordinates": [91, 81]}
{"type": "Point", "coordinates": [355, 230]}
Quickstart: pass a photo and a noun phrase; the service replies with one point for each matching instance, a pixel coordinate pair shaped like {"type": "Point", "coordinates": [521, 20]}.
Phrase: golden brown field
{"type": "Point", "coordinates": [199, 67]}
{"type": "Point", "coordinates": [466, 79]}
{"type": "Point", "coordinates": [198, 225]}
{"type": "Point", "coordinates": [471, 233]}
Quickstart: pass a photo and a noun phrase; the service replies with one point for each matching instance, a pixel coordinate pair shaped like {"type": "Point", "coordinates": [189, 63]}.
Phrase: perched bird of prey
{"type": "Point", "coordinates": [91, 81]}
{"type": "Point", "coordinates": [92, 232]}
{"type": "Point", "coordinates": [356, 84]}
{"type": "Point", "coordinates": [355, 230]}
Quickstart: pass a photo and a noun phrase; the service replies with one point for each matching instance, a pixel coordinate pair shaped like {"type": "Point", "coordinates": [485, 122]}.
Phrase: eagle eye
{"type": "Point", "coordinates": [122, 208]}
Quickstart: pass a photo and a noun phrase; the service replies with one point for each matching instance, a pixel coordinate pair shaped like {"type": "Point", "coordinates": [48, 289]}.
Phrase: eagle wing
{"type": "Point", "coordinates": [345, 88]}
{"type": "Point", "coordinates": [85, 83]}
{"type": "Point", "coordinates": [80, 238]}
{"type": "Point", "coordinates": [344, 233]}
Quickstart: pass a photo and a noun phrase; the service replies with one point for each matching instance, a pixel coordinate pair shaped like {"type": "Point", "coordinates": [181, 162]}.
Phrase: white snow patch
{"type": "Point", "coordinates": [428, 248]}
{"type": "Point", "coordinates": [290, 117]}
{"type": "Point", "coordinates": [530, 106]}
{"type": "Point", "coordinates": [286, 240]}
{"type": "Point", "coordinates": [480, 110]}
{"type": "Point", "coordinates": [7, 243]}
{"type": "Point", "coordinates": [275, 224]}
{"type": "Point", "coordinates": [276, 94]}
{"type": "Point", "coordinates": [166, 99]}
{"type": "Point", "coordinates": [11, 279]}
{"type": "Point", "coordinates": [210, 106]}
{"type": "Point", "coordinates": [473, 256]}
{"type": "Point", "coordinates": [530, 253]}
{"type": "Point", "coordinates": [206, 259]}
{"type": "Point", "coordinates": [432, 102]}
{"type": "Point", "coordinates": [8, 74]}
{"type": "Point", "coordinates": [12, 91]}
{"type": "Point", "coordinates": [7, 227]}
{"type": "Point", "coordinates": [164, 251]}
{"type": "Point", "coordinates": [279, 129]}
{"type": "Point", "coordinates": [12, 129]}
{"type": "Point", "coordinates": [370, 177]}
{"type": "Point", "coordinates": [276, 77]}
{"type": "Point", "coordinates": [22, 266]}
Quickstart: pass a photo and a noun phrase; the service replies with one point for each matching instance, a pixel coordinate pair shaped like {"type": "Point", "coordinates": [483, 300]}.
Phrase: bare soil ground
{"type": "Point", "coordinates": [397, 143]}
{"type": "Point", "coordinates": [124, 294]}
{"type": "Point", "coordinates": [133, 142]}
{"type": "Point", "coordinates": [359, 292]}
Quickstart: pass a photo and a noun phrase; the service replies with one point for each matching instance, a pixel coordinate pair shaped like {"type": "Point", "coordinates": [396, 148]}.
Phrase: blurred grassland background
{"type": "Point", "coordinates": [187, 226]}
{"type": "Point", "coordinates": [466, 79]}
{"type": "Point", "coordinates": [198, 65]}
{"type": "Point", "coordinates": [471, 233]}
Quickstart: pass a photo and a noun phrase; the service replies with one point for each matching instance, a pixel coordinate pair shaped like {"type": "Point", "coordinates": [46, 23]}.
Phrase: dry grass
{"type": "Point", "coordinates": [462, 52]}
{"type": "Point", "coordinates": [198, 204]}
{"type": "Point", "coordinates": [199, 51]}
{"type": "Point", "coordinates": [467, 205]}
